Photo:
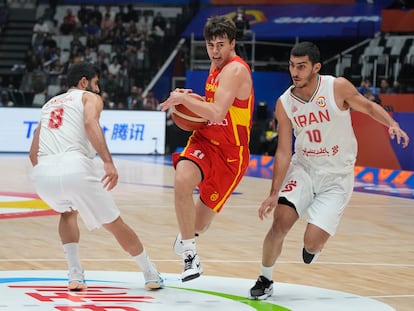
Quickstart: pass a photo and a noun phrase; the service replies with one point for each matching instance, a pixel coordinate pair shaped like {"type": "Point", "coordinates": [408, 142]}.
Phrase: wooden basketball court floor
{"type": "Point", "coordinates": [372, 254]}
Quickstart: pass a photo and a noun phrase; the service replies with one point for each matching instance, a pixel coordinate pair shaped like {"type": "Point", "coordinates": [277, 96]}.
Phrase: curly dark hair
{"type": "Point", "coordinates": [79, 70]}
{"type": "Point", "coordinates": [220, 26]}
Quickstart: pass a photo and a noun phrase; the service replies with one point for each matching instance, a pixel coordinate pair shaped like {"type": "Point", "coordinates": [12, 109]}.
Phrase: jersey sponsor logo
{"type": "Point", "coordinates": [225, 122]}
{"type": "Point", "coordinates": [289, 186]}
{"type": "Point", "coordinates": [231, 160]}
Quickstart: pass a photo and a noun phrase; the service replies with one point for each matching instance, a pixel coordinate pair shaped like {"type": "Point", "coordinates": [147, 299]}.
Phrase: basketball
{"type": "Point", "coordinates": [185, 119]}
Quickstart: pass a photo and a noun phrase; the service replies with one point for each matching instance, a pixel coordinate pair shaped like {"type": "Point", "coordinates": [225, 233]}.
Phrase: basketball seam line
{"type": "Point", "coordinates": [187, 117]}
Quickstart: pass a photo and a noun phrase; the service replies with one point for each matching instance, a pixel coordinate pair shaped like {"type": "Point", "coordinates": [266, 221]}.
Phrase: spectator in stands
{"type": "Point", "coordinates": [5, 99]}
{"type": "Point", "coordinates": [366, 85]}
{"type": "Point", "coordinates": [114, 67]}
{"type": "Point", "coordinates": [119, 34]}
{"type": "Point", "coordinates": [52, 5]}
{"type": "Point", "coordinates": [134, 100]}
{"type": "Point", "coordinates": [143, 61]}
{"type": "Point", "coordinates": [84, 14]}
{"type": "Point", "coordinates": [39, 81]}
{"type": "Point", "coordinates": [92, 27]}
{"type": "Point", "coordinates": [111, 87]}
{"type": "Point", "coordinates": [76, 46]}
{"type": "Point", "coordinates": [108, 103]}
{"type": "Point", "coordinates": [31, 59]}
{"type": "Point", "coordinates": [121, 15]}
{"type": "Point", "coordinates": [151, 102]}
{"type": "Point", "coordinates": [102, 62]}
{"type": "Point", "coordinates": [40, 30]}
{"type": "Point", "coordinates": [160, 22]}
{"type": "Point", "coordinates": [90, 55]}
{"type": "Point", "coordinates": [50, 41]}
{"type": "Point", "coordinates": [107, 24]}
{"type": "Point", "coordinates": [385, 87]}
{"type": "Point", "coordinates": [132, 29]}
{"type": "Point", "coordinates": [242, 28]}
{"type": "Point", "coordinates": [396, 86]}
{"type": "Point", "coordinates": [96, 13]}
{"type": "Point", "coordinates": [131, 14]}
{"type": "Point", "coordinates": [92, 31]}
{"type": "Point", "coordinates": [26, 84]}
{"type": "Point", "coordinates": [48, 58]}
{"type": "Point", "coordinates": [70, 24]}
{"type": "Point", "coordinates": [125, 77]}
{"type": "Point", "coordinates": [144, 25]}
{"type": "Point", "coordinates": [242, 23]}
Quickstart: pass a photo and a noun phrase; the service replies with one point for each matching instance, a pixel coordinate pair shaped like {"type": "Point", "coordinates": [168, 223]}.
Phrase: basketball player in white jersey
{"type": "Point", "coordinates": [318, 178]}
{"type": "Point", "coordinates": [66, 177]}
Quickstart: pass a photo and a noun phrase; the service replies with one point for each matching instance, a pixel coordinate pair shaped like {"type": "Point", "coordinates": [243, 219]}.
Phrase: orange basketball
{"type": "Point", "coordinates": [185, 119]}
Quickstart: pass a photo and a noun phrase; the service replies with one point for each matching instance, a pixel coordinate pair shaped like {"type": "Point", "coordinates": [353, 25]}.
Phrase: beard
{"type": "Point", "coordinates": [90, 89]}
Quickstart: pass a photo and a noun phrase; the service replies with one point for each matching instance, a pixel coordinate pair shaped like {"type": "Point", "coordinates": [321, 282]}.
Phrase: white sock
{"type": "Point", "coordinates": [71, 251]}
{"type": "Point", "coordinates": [189, 245]}
{"type": "Point", "coordinates": [143, 261]}
{"type": "Point", "coordinates": [267, 272]}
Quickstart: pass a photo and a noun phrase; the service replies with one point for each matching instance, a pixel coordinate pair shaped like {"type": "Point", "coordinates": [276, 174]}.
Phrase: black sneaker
{"type": "Point", "coordinates": [262, 289]}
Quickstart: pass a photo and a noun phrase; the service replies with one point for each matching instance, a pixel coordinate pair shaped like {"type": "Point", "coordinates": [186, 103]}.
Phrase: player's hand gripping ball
{"type": "Point", "coordinates": [185, 119]}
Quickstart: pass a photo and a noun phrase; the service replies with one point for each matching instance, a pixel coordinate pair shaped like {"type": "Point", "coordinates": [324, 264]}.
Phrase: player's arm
{"type": "Point", "coordinates": [282, 159]}
{"type": "Point", "coordinates": [34, 147]}
{"type": "Point", "coordinates": [283, 152]}
{"type": "Point", "coordinates": [232, 79]}
{"type": "Point", "coordinates": [93, 106]}
{"type": "Point", "coordinates": [346, 92]}
{"type": "Point", "coordinates": [235, 81]}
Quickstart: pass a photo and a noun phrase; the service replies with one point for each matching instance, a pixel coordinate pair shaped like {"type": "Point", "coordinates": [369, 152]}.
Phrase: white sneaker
{"type": "Point", "coordinates": [178, 246]}
{"type": "Point", "coordinates": [76, 280]}
{"type": "Point", "coordinates": [192, 266]}
{"type": "Point", "coordinates": [153, 279]}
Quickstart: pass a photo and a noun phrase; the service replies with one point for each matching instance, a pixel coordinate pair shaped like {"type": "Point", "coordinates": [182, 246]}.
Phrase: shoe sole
{"type": "Point", "coordinates": [262, 297]}
{"type": "Point", "coordinates": [190, 277]}
{"type": "Point", "coordinates": [75, 286]}
{"type": "Point", "coordinates": [154, 285]}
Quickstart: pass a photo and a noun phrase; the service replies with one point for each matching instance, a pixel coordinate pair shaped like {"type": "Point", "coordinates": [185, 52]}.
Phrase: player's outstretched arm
{"type": "Point", "coordinates": [346, 93]}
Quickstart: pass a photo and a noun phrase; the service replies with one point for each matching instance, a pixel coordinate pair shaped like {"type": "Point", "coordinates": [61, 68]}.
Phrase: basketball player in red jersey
{"type": "Point", "coordinates": [217, 155]}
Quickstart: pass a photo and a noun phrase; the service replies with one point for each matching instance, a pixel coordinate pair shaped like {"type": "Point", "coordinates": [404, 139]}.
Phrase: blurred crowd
{"type": "Point", "coordinates": [126, 44]}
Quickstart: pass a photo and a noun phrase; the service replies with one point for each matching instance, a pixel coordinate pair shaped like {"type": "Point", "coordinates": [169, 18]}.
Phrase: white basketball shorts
{"type": "Point", "coordinates": [322, 196]}
{"type": "Point", "coordinates": [69, 182]}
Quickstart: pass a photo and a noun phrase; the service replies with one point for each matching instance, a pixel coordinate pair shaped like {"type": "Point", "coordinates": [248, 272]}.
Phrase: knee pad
{"type": "Point", "coordinates": [309, 258]}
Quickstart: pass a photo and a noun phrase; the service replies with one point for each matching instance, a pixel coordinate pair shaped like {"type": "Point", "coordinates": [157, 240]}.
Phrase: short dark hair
{"type": "Point", "coordinates": [219, 26]}
{"type": "Point", "coordinates": [307, 48]}
{"type": "Point", "coordinates": [79, 70]}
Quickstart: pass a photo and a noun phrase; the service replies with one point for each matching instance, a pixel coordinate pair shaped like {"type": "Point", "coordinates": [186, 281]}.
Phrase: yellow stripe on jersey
{"type": "Point", "coordinates": [240, 116]}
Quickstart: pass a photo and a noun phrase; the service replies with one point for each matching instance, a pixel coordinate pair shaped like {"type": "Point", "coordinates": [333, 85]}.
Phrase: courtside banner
{"type": "Point", "coordinates": [303, 21]}
{"type": "Point", "coordinates": [126, 131]}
